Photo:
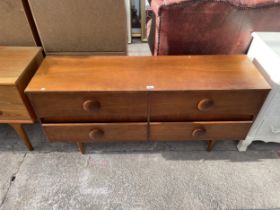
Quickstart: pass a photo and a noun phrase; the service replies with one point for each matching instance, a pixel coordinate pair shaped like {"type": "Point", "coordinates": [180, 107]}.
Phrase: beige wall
{"type": "Point", "coordinates": [14, 27]}
{"type": "Point", "coordinates": [97, 26]}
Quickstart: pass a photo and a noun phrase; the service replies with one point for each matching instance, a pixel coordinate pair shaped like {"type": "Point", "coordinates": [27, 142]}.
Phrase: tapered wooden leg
{"type": "Point", "coordinates": [22, 134]}
{"type": "Point", "coordinates": [211, 144]}
{"type": "Point", "coordinates": [81, 147]}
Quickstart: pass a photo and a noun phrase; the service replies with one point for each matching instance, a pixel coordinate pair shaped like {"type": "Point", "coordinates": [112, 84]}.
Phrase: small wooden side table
{"type": "Point", "coordinates": [265, 53]}
{"type": "Point", "coordinates": [17, 66]}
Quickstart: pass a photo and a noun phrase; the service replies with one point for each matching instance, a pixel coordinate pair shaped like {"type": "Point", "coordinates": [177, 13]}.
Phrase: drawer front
{"type": "Point", "coordinates": [205, 105]}
{"type": "Point", "coordinates": [96, 132]}
{"type": "Point", "coordinates": [90, 107]}
{"type": "Point", "coordinates": [12, 106]}
{"type": "Point", "coordinates": [224, 130]}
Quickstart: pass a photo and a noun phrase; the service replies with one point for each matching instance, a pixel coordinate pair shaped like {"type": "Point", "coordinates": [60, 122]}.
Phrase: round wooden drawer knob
{"type": "Point", "coordinates": [91, 106]}
{"type": "Point", "coordinates": [96, 134]}
{"type": "Point", "coordinates": [205, 104]}
{"type": "Point", "coordinates": [198, 132]}
{"type": "Point", "coordinates": [1, 113]}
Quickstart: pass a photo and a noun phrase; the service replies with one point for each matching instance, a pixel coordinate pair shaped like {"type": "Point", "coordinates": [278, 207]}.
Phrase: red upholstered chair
{"type": "Point", "coordinates": [209, 26]}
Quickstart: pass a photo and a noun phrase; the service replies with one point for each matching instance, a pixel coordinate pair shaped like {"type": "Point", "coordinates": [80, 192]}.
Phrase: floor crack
{"type": "Point", "coordinates": [12, 178]}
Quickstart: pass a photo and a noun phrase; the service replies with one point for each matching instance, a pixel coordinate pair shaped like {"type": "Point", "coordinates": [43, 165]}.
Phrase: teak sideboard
{"type": "Point", "coordinates": [83, 99]}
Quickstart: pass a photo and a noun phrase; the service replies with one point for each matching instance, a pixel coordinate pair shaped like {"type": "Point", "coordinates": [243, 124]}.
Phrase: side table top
{"type": "Point", "coordinates": [265, 49]}
{"type": "Point", "coordinates": [14, 61]}
{"type": "Point", "coordinates": [162, 73]}
{"type": "Point", "coordinates": [271, 39]}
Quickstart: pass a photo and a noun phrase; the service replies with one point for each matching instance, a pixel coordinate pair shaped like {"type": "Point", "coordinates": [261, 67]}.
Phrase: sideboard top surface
{"type": "Point", "coordinates": [166, 73]}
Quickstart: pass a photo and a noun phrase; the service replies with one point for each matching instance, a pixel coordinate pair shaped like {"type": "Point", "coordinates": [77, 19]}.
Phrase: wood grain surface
{"type": "Point", "coordinates": [121, 73]}
{"type": "Point", "coordinates": [14, 61]}
{"type": "Point", "coordinates": [81, 132]}
{"type": "Point", "coordinates": [225, 105]}
{"type": "Point", "coordinates": [12, 106]}
{"type": "Point", "coordinates": [69, 107]}
{"type": "Point", "coordinates": [223, 130]}
{"type": "Point", "coordinates": [17, 66]}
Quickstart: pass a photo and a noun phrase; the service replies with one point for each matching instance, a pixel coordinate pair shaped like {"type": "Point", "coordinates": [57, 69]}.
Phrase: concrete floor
{"type": "Point", "coordinates": [140, 176]}
{"type": "Point", "coordinates": [136, 176]}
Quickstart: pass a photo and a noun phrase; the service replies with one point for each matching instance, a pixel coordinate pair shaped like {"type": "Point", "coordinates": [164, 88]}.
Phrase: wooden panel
{"type": "Point", "coordinates": [15, 61]}
{"type": "Point", "coordinates": [17, 66]}
{"type": "Point", "coordinates": [11, 105]}
{"type": "Point", "coordinates": [169, 73]}
{"type": "Point", "coordinates": [193, 105]}
{"type": "Point", "coordinates": [223, 130]}
{"type": "Point", "coordinates": [25, 78]}
{"type": "Point", "coordinates": [105, 107]}
{"type": "Point", "coordinates": [98, 132]}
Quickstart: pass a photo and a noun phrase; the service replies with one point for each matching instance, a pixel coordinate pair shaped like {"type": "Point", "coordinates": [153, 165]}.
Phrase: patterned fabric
{"type": "Point", "coordinates": [241, 3]}
{"type": "Point", "coordinates": [183, 27]}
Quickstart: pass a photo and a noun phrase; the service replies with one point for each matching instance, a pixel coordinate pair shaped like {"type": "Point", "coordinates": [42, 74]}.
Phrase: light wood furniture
{"type": "Point", "coordinates": [17, 66]}
{"type": "Point", "coordinates": [265, 53]}
{"type": "Point", "coordinates": [104, 99]}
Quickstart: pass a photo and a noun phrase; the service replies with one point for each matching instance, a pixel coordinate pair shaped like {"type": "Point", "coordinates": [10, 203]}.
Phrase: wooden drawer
{"type": "Point", "coordinates": [17, 66]}
{"type": "Point", "coordinates": [12, 106]}
{"type": "Point", "coordinates": [206, 105]}
{"type": "Point", "coordinates": [90, 107]}
{"type": "Point", "coordinates": [226, 130]}
{"type": "Point", "coordinates": [96, 132]}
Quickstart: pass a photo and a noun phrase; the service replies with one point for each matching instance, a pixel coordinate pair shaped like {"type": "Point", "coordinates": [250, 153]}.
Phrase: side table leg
{"type": "Point", "coordinates": [22, 134]}
{"type": "Point", "coordinates": [81, 147]}
{"type": "Point", "coordinates": [243, 144]}
{"type": "Point", "coordinates": [211, 144]}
